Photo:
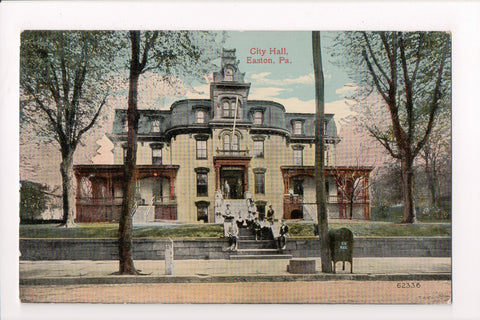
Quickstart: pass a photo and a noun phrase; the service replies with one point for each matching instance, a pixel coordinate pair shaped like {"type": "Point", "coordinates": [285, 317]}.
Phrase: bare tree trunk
{"type": "Point", "coordinates": [351, 208]}
{"type": "Point", "coordinates": [322, 215]}
{"type": "Point", "coordinates": [66, 169]}
{"type": "Point", "coordinates": [125, 242]}
{"type": "Point", "coordinates": [409, 215]}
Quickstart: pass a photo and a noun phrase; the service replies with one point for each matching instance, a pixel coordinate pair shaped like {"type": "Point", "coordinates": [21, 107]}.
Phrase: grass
{"type": "Point", "coordinates": [110, 230]}
{"type": "Point", "coordinates": [296, 229]}
{"type": "Point", "coordinates": [395, 214]}
{"type": "Point", "coordinates": [377, 229]}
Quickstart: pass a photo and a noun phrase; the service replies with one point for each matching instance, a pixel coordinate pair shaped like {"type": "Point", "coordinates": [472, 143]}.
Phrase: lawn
{"type": "Point", "coordinates": [377, 229]}
{"type": "Point", "coordinates": [297, 229]}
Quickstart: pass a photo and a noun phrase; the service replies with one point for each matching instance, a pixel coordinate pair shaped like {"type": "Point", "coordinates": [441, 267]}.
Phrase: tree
{"type": "Point", "coordinates": [352, 183]}
{"type": "Point", "coordinates": [64, 78]}
{"type": "Point", "coordinates": [184, 53]}
{"type": "Point", "coordinates": [33, 200]}
{"type": "Point", "coordinates": [410, 71]}
{"type": "Point", "coordinates": [436, 156]}
{"type": "Point", "coordinates": [322, 215]}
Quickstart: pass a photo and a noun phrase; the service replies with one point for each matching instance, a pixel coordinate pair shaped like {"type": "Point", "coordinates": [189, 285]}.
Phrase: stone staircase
{"type": "Point", "coordinates": [238, 207]}
{"type": "Point", "coordinates": [143, 214]}
{"type": "Point", "coordinates": [249, 248]}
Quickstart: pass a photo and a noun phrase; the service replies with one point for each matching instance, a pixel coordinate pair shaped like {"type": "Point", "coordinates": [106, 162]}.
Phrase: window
{"type": "Point", "coordinates": [202, 210]}
{"type": "Point", "coordinates": [156, 153]}
{"type": "Point", "coordinates": [228, 108]}
{"type": "Point", "coordinates": [156, 126]}
{"type": "Point", "coordinates": [258, 117]}
{"type": "Point", "coordinates": [298, 157]}
{"type": "Point", "coordinates": [201, 149]}
{"type": "Point", "coordinates": [124, 150]}
{"type": "Point", "coordinates": [298, 187]}
{"type": "Point", "coordinates": [200, 116]}
{"type": "Point", "coordinates": [258, 149]}
{"type": "Point", "coordinates": [226, 142]}
{"type": "Point", "coordinates": [228, 74]}
{"type": "Point", "coordinates": [260, 182]}
{"type": "Point", "coordinates": [158, 190]}
{"type": "Point", "coordinates": [157, 156]}
{"type": "Point", "coordinates": [202, 184]}
{"type": "Point", "coordinates": [234, 142]}
{"type": "Point", "coordinates": [125, 124]}
{"type": "Point", "coordinates": [229, 143]}
{"type": "Point", "coordinates": [297, 128]}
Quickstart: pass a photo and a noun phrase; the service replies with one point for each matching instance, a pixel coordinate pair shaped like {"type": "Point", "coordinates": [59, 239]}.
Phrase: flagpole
{"type": "Point", "coordinates": [235, 119]}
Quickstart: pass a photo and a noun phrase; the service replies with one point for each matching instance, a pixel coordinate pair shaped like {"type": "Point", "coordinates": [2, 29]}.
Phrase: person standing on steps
{"type": "Point", "coordinates": [228, 216]}
{"type": "Point", "coordinates": [270, 214]}
{"type": "Point", "coordinates": [282, 240]}
{"type": "Point", "coordinates": [227, 190]}
{"type": "Point", "coordinates": [251, 211]}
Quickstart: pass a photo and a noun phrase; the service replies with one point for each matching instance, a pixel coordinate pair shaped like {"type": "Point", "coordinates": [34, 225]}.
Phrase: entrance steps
{"type": "Point", "coordinates": [249, 248]}
{"type": "Point", "coordinates": [237, 207]}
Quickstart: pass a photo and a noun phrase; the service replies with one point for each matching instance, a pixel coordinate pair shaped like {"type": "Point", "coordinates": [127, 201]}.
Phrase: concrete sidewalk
{"type": "Point", "coordinates": [153, 271]}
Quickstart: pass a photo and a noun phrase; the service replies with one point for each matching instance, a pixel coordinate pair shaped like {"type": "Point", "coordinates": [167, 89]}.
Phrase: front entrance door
{"type": "Point", "coordinates": [231, 180]}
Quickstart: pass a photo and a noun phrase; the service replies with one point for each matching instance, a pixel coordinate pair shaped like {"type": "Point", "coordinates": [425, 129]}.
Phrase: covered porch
{"type": "Point", "coordinates": [99, 191]}
{"type": "Point", "coordinates": [299, 201]}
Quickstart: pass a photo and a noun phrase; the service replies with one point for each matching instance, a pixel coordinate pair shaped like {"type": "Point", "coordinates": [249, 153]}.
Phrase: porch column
{"type": "Point", "coordinates": [171, 181]}
{"type": "Point", "coordinates": [366, 199]}
{"type": "Point", "coordinates": [245, 178]}
{"type": "Point", "coordinates": [217, 177]}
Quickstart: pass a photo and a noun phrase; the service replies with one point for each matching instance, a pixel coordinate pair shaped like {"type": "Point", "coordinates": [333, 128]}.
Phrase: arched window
{"type": "Point", "coordinates": [230, 142]}
{"type": "Point", "coordinates": [297, 128]}
{"type": "Point", "coordinates": [228, 74]}
{"type": "Point", "coordinates": [258, 117]}
{"type": "Point", "coordinates": [200, 116]}
{"type": "Point", "coordinates": [235, 143]}
{"type": "Point", "coordinates": [228, 107]}
{"type": "Point", "coordinates": [226, 142]}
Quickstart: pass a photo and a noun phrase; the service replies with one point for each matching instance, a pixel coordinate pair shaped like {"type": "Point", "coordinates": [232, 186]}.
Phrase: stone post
{"type": "Point", "coordinates": [169, 267]}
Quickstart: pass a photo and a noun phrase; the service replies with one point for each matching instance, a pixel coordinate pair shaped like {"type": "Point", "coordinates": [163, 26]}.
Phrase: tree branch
{"type": "Point", "coordinates": [92, 122]}
{"type": "Point", "coordinates": [149, 43]}
{"type": "Point", "coordinates": [408, 92]}
{"type": "Point", "coordinates": [434, 102]}
{"type": "Point", "coordinates": [375, 60]}
{"type": "Point", "coordinates": [384, 141]}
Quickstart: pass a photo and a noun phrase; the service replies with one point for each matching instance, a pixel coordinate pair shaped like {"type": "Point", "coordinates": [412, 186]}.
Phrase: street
{"type": "Point", "coordinates": [371, 292]}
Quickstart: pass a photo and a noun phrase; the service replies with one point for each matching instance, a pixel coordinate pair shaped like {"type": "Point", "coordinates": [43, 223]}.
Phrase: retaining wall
{"type": "Point", "coordinates": [154, 249]}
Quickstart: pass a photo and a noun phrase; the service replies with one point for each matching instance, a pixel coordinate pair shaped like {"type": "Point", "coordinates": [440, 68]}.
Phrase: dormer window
{"type": "Point", "coordinates": [200, 116]}
{"type": "Point", "coordinates": [228, 107]}
{"type": "Point", "coordinates": [297, 127]}
{"type": "Point", "coordinates": [258, 117]}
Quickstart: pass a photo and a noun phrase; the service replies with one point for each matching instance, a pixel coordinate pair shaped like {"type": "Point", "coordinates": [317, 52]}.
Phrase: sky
{"type": "Point", "coordinates": [291, 82]}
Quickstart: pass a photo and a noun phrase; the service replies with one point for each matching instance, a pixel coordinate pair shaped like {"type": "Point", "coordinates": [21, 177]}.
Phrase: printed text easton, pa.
{"type": "Point", "coordinates": [268, 56]}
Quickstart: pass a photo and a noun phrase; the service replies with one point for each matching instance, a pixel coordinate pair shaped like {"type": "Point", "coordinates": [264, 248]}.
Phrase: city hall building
{"type": "Point", "coordinates": [206, 153]}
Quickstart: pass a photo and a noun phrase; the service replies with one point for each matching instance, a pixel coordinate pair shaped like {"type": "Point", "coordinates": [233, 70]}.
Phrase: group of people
{"type": "Point", "coordinates": [260, 224]}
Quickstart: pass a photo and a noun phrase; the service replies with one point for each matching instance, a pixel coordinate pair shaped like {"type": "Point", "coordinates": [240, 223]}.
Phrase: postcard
{"type": "Point", "coordinates": [168, 166]}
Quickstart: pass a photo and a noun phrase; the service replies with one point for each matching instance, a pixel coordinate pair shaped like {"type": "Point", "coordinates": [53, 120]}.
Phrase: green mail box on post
{"type": "Point", "coordinates": [341, 247]}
